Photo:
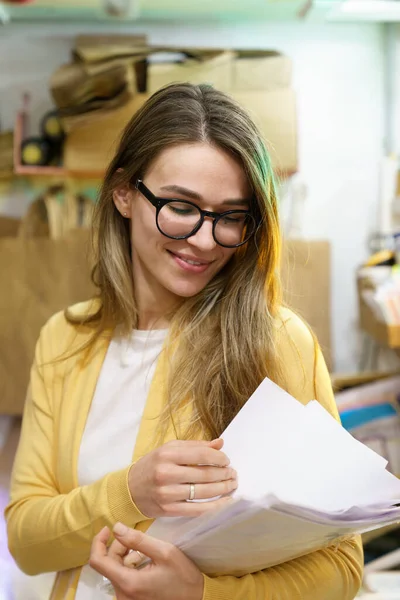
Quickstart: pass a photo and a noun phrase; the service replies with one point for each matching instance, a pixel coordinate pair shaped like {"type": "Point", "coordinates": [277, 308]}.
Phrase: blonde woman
{"type": "Point", "coordinates": [129, 392]}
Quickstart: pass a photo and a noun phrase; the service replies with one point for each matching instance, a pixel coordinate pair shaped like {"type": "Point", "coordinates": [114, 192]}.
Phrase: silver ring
{"type": "Point", "coordinates": [192, 493]}
{"type": "Point", "coordinates": [129, 560]}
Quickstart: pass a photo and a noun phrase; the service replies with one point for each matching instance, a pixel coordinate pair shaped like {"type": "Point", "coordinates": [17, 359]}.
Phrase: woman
{"type": "Point", "coordinates": [187, 323]}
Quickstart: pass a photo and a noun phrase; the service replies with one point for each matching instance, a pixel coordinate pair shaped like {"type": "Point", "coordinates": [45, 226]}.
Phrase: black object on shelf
{"type": "Point", "coordinates": [36, 152]}
{"type": "Point", "coordinates": [46, 149]}
{"type": "Point", "coordinates": [51, 127]}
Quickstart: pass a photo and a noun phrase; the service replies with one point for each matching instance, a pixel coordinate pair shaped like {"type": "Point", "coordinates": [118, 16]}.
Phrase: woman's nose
{"type": "Point", "coordinates": [203, 239]}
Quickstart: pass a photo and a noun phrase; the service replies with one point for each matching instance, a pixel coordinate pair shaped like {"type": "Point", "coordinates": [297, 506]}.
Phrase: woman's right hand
{"type": "Point", "coordinates": [159, 482]}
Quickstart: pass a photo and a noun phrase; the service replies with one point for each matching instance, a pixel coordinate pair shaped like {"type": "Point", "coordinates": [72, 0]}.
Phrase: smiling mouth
{"type": "Point", "coordinates": [190, 261]}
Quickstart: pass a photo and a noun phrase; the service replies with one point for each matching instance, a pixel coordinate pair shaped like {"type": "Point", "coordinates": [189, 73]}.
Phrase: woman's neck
{"type": "Point", "coordinates": [148, 320]}
{"type": "Point", "coordinates": [154, 303]}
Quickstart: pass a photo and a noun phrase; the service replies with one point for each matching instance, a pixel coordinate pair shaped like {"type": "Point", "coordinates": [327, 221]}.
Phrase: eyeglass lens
{"type": "Point", "coordinates": [180, 219]}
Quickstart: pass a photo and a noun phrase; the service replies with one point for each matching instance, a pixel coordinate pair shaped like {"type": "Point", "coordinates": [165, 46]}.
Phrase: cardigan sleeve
{"type": "Point", "coordinates": [332, 573]}
{"type": "Point", "coordinates": [47, 530]}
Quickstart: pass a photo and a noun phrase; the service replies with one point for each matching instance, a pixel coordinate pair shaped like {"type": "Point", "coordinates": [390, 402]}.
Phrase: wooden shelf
{"type": "Point", "coordinates": [50, 171]}
{"type": "Point", "coordinates": [63, 173]}
{"type": "Point", "coordinates": [40, 171]}
{"type": "Point", "coordinates": [90, 11]}
{"type": "Point", "coordinates": [56, 172]}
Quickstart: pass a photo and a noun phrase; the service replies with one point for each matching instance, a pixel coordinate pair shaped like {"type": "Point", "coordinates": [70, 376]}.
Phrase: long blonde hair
{"type": "Point", "coordinates": [223, 338]}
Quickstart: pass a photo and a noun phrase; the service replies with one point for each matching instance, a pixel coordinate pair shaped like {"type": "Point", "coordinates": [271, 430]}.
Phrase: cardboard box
{"type": "Point", "coordinates": [261, 84]}
{"type": "Point", "coordinates": [306, 277]}
{"type": "Point", "coordinates": [261, 70]}
{"type": "Point", "coordinates": [239, 70]}
{"type": "Point", "coordinates": [216, 70]}
{"type": "Point", "coordinates": [38, 277]}
{"type": "Point", "coordinates": [275, 114]}
{"type": "Point", "coordinates": [259, 81]}
{"type": "Point", "coordinates": [91, 144]}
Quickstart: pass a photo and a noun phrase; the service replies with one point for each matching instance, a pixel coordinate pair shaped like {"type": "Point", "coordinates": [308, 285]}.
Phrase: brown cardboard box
{"type": "Point", "coordinates": [259, 81]}
{"type": "Point", "coordinates": [275, 114]}
{"type": "Point", "coordinates": [91, 145]}
{"type": "Point", "coordinates": [38, 277]}
{"type": "Point", "coordinates": [216, 70]}
{"type": "Point", "coordinates": [239, 70]}
{"type": "Point", "coordinates": [261, 70]}
{"type": "Point", "coordinates": [306, 276]}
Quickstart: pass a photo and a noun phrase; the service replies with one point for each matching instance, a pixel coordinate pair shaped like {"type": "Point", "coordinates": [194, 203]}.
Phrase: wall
{"type": "Point", "coordinates": [339, 83]}
{"type": "Point", "coordinates": [394, 105]}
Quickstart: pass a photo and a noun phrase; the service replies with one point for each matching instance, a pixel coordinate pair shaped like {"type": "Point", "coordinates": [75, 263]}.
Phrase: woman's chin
{"type": "Point", "coordinates": [186, 289]}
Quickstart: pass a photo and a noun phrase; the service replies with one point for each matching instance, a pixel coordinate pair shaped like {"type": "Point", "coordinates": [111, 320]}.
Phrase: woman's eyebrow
{"type": "Point", "coordinates": [182, 191]}
{"type": "Point", "coordinates": [196, 196]}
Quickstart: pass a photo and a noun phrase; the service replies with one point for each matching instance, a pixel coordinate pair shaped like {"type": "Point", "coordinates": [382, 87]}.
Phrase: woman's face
{"type": "Point", "coordinates": [204, 175]}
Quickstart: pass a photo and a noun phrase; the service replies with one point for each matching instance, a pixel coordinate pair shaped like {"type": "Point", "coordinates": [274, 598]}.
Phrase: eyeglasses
{"type": "Point", "coordinates": [180, 219]}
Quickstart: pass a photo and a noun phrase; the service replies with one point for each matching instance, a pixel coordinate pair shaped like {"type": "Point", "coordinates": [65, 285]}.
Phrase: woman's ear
{"type": "Point", "coordinates": [122, 197]}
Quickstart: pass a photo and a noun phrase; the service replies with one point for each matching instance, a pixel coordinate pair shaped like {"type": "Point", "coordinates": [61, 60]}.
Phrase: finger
{"type": "Point", "coordinates": [196, 509]}
{"type": "Point", "coordinates": [99, 544]}
{"type": "Point", "coordinates": [202, 491]}
{"type": "Point", "coordinates": [200, 456]}
{"type": "Point", "coordinates": [157, 550]}
{"type": "Point", "coordinates": [117, 551]}
{"type": "Point", "coordinates": [104, 564]}
{"type": "Point", "coordinates": [113, 570]}
{"type": "Point", "coordinates": [193, 443]}
{"type": "Point", "coordinates": [209, 490]}
{"type": "Point", "coordinates": [203, 474]}
{"type": "Point", "coordinates": [217, 444]}
{"type": "Point", "coordinates": [99, 558]}
{"type": "Point", "coordinates": [134, 559]}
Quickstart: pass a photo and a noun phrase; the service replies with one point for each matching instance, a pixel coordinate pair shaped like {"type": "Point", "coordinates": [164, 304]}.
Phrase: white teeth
{"type": "Point", "coordinates": [191, 262]}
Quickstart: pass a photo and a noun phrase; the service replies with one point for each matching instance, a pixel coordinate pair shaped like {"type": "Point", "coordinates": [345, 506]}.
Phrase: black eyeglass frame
{"type": "Point", "coordinates": [159, 203]}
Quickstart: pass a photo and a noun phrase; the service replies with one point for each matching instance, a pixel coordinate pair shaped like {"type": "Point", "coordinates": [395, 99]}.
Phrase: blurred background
{"type": "Point", "coordinates": [322, 80]}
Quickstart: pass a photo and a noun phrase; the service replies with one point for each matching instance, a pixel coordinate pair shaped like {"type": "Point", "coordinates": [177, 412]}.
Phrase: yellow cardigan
{"type": "Point", "coordinates": [52, 521]}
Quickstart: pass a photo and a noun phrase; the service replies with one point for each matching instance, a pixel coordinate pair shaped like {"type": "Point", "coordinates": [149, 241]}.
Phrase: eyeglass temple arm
{"type": "Point", "coordinates": [140, 186]}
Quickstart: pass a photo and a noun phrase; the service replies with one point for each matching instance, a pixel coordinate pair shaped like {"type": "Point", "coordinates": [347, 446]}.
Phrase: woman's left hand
{"type": "Point", "coordinates": [170, 575]}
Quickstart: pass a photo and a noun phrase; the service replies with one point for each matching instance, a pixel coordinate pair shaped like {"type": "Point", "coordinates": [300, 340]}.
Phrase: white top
{"type": "Point", "coordinates": [113, 422]}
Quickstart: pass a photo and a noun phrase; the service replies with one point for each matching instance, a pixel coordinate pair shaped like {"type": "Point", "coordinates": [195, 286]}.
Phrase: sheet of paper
{"type": "Point", "coordinates": [264, 539]}
{"type": "Point", "coordinates": [303, 482]}
{"type": "Point", "coordinates": [302, 455]}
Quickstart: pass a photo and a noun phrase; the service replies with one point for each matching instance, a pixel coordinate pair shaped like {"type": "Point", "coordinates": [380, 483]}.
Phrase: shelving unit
{"type": "Point", "coordinates": [386, 335]}
{"type": "Point", "coordinates": [54, 172]}
{"type": "Point", "coordinates": [91, 12]}
{"type": "Point", "coordinates": [142, 11]}
{"type": "Point", "coordinates": [63, 173]}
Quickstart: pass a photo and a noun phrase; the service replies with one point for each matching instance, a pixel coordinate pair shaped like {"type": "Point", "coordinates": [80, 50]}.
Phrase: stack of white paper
{"type": "Point", "coordinates": [304, 482]}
